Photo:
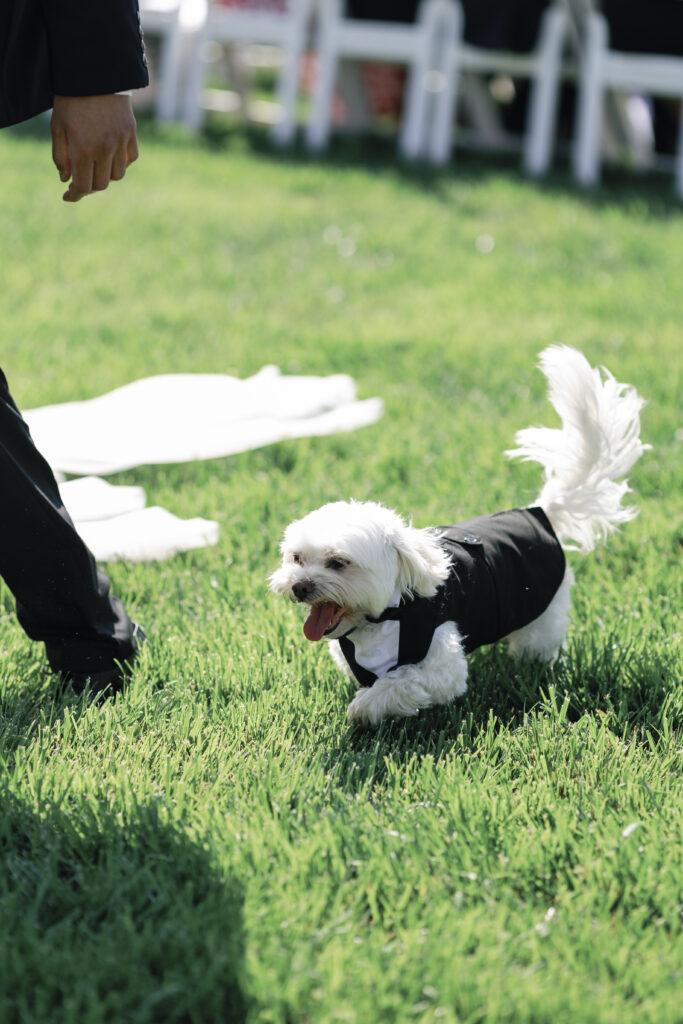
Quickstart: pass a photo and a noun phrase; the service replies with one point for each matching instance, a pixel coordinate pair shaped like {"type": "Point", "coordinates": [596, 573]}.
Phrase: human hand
{"type": "Point", "coordinates": [94, 138]}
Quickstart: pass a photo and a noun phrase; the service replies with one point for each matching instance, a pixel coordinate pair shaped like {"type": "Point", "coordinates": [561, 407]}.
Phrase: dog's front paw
{"type": "Point", "coordinates": [362, 710]}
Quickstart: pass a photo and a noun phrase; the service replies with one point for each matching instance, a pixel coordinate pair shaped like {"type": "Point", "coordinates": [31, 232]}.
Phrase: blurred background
{"type": "Point", "coordinates": [395, 193]}
{"type": "Point", "coordinates": [576, 81]}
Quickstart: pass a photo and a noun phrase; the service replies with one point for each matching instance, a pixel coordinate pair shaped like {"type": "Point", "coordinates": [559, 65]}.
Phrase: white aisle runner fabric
{"type": "Point", "coordinates": [115, 524]}
{"type": "Point", "coordinates": [182, 417]}
{"type": "Point", "coordinates": [178, 418]}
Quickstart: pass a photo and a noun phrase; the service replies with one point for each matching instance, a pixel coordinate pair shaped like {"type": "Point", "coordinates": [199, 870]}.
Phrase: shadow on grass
{"type": "Point", "coordinates": [103, 921]}
{"type": "Point", "coordinates": [38, 701]}
{"type": "Point", "coordinates": [650, 192]}
{"type": "Point", "coordinates": [633, 691]}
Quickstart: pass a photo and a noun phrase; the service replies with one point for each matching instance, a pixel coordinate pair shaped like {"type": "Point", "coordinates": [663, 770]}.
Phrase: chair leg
{"type": "Point", "coordinates": [192, 113]}
{"type": "Point", "coordinates": [540, 133]}
{"type": "Point", "coordinates": [413, 131]}
{"type": "Point", "coordinates": [587, 143]}
{"type": "Point", "coordinates": [446, 99]}
{"type": "Point", "coordinates": [679, 155]}
{"type": "Point", "coordinates": [318, 127]}
{"type": "Point", "coordinates": [410, 143]}
{"type": "Point", "coordinates": [169, 73]}
{"type": "Point", "coordinates": [288, 83]}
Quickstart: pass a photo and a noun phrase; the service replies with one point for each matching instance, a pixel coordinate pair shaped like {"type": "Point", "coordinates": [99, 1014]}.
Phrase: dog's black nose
{"type": "Point", "coordinates": [303, 590]}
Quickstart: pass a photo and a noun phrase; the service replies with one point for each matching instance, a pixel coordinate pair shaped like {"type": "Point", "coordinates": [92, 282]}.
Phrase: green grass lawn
{"type": "Point", "coordinates": [218, 844]}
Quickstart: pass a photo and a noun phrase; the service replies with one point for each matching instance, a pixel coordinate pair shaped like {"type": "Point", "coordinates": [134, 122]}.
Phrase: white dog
{"type": "Point", "coordinates": [404, 606]}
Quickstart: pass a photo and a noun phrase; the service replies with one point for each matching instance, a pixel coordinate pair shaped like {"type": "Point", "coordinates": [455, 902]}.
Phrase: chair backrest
{"type": "Point", "coordinates": [158, 6]}
{"type": "Point", "coordinates": [341, 38]}
{"type": "Point", "coordinates": [281, 23]}
{"type": "Point", "coordinates": [464, 63]}
{"type": "Point", "coordinates": [606, 75]}
{"type": "Point", "coordinates": [162, 19]}
{"type": "Point", "coordinates": [265, 6]}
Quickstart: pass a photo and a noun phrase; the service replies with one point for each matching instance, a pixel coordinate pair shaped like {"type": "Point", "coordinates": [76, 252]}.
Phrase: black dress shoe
{"type": "Point", "coordinates": [109, 680]}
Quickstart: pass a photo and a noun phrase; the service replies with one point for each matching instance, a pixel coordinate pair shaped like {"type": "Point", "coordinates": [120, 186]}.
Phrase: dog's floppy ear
{"type": "Point", "coordinates": [423, 563]}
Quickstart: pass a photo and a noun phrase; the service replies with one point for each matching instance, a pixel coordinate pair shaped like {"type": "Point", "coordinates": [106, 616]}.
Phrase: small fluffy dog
{"type": "Point", "coordinates": [403, 607]}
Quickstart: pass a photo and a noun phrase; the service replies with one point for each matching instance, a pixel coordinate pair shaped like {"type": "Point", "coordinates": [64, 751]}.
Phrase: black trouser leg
{"type": "Point", "coordinates": [63, 599]}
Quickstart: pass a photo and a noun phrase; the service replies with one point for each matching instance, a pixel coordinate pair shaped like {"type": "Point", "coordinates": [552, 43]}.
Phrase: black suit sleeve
{"type": "Point", "coordinates": [94, 46]}
{"type": "Point", "coordinates": [54, 48]}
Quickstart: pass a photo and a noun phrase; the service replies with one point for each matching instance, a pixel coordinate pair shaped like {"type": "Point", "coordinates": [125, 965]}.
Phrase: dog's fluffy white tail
{"type": "Point", "coordinates": [587, 457]}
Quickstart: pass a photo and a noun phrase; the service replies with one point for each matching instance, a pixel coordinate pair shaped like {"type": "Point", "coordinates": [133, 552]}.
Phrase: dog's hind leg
{"type": "Point", "coordinates": [543, 638]}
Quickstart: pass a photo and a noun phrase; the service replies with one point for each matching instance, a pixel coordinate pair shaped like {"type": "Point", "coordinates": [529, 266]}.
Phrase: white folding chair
{"type": "Point", "coordinates": [543, 66]}
{"type": "Point", "coordinates": [161, 19]}
{"type": "Point", "coordinates": [341, 38]}
{"type": "Point", "coordinates": [603, 69]}
{"type": "Point", "coordinates": [284, 27]}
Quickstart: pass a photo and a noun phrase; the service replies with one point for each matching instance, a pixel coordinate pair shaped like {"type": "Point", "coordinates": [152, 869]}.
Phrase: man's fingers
{"type": "Point", "coordinates": [60, 151]}
{"type": "Point", "coordinates": [102, 171]}
{"type": "Point", "coordinates": [82, 179]}
{"type": "Point", "coordinates": [133, 151]}
{"type": "Point", "coordinates": [94, 174]}
{"type": "Point", "coordinates": [119, 163]}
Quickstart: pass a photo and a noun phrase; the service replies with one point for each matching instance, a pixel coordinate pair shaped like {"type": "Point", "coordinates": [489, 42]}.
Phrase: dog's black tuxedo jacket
{"type": "Point", "coordinates": [505, 570]}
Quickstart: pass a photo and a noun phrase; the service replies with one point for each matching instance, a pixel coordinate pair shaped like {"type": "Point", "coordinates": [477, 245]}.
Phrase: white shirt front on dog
{"type": "Point", "coordinates": [376, 644]}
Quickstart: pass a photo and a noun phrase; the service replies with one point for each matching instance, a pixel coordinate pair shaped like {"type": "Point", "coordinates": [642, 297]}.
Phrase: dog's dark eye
{"type": "Point", "coordinates": [296, 559]}
{"type": "Point", "coordinates": [335, 563]}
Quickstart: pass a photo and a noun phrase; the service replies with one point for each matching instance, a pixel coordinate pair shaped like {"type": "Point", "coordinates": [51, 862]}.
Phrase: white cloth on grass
{"type": "Point", "coordinates": [183, 417]}
{"type": "Point", "coordinates": [178, 418]}
{"type": "Point", "coordinates": [115, 524]}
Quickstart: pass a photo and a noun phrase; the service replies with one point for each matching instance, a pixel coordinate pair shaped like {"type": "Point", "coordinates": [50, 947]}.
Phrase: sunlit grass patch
{"type": "Point", "coordinates": [217, 843]}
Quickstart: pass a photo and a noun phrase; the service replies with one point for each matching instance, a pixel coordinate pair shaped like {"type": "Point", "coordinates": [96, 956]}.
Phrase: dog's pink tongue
{"type": "Point", "coordinates": [319, 620]}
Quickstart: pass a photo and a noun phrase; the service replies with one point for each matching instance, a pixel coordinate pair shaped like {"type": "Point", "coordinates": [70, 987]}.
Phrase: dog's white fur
{"type": "Point", "coordinates": [361, 555]}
